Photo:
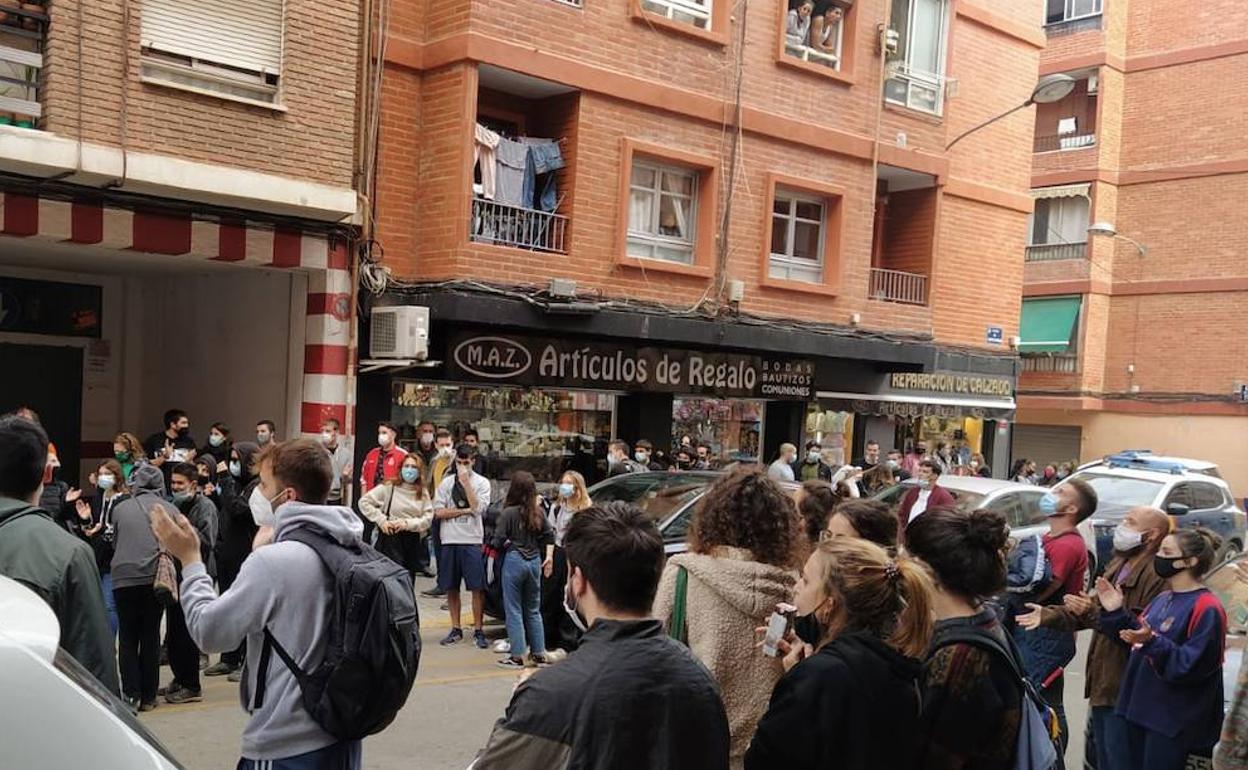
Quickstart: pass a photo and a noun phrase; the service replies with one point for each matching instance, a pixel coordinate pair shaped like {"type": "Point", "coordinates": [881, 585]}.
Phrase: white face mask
{"type": "Point", "coordinates": [327, 436]}
{"type": "Point", "coordinates": [446, 451]}
{"type": "Point", "coordinates": [383, 439]}
{"type": "Point", "coordinates": [216, 439]}
{"type": "Point", "coordinates": [569, 606]}
{"type": "Point", "coordinates": [426, 438]}
{"type": "Point", "coordinates": [641, 457]}
{"type": "Point", "coordinates": [262, 508]}
{"type": "Point", "coordinates": [1126, 539]}
{"type": "Point", "coordinates": [813, 455]}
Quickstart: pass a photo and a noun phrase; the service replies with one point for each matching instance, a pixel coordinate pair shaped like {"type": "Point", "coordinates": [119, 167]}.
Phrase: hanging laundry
{"type": "Point", "coordinates": [513, 174]}
{"type": "Point", "coordinates": [483, 151]}
{"type": "Point", "coordinates": [547, 159]}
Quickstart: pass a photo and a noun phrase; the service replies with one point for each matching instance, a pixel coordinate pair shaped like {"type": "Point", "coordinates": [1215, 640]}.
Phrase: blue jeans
{"type": "Point", "coordinates": [1111, 734]}
{"type": "Point", "coordinates": [346, 755]}
{"type": "Point", "coordinates": [1148, 750]}
{"type": "Point", "coordinates": [522, 601]}
{"type": "Point", "coordinates": [110, 601]}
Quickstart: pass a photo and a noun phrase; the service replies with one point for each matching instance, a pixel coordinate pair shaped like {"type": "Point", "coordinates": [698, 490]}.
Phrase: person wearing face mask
{"type": "Point", "coordinates": [340, 458]}
{"type": "Point", "coordinates": [206, 475]}
{"type": "Point", "coordinates": [850, 697]}
{"type": "Point", "coordinates": [1136, 540]}
{"type": "Point", "coordinates": [917, 454]}
{"type": "Point", "coordinates": [744, 547]}
{"type": "Point", "coordinates": [927, 494]}
{"type": "Point", "coordinates": [39, 553]}
{"type": "Point", "coordinates": [128, 451]}
{"type": "Point", "coordinates": [401, 510]}
{"type": "Point", "coordinates": [627, 679]}
{"type": "Point", "coordinates": [236, 530]}
{"type": "Point", "coordinates": [894, 461]}
{"type": "Point", "coordinates": [172, 445]}
{"type": "Point", "coordinates": [183, 654]}
{"type": "Point", "coordinates": [643, 454]}
{"type": "Point", "coordinates": [1047, 651]}
{"type": "Point", "coordinates": [870, 456]}
{"type": "Point", "coordinates": [460, 502]}
{"type": "Point", "coordinates": [683, 459]}
{"type": "Point", "coordinates": [382, 462]}
{"type": "Point", "coordinates": [473, 439]}
{"type": "Point", "coordinates": [944, 457]}
{"type": "Point", "coordinates": [1172, 694]}
{"type": "Point", "coordinates": [94, 523]}
{"type": "Point", "coordinates": [781, 469]}
{"type": "Point", "coordinates": [133, 568]}
{"type": "Point", "coordinates": [617, 459]}
{"type": "Point", "coordinates": [283, 591]}
{"type": "Point", "coordinates": [443, 458]}
{"type": "Point", "coordinates": [572, 498]}
{"type": "Point", "coordinates": [426, 442]}
{"type": "Point", "coordinates": [218, 446]}
{"type": "Point", "coordinates": [266, 433]}
{"type": "Point", "coordinates": [812, 467]}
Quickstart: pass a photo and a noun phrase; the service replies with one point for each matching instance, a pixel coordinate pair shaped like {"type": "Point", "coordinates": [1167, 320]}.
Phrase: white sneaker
{"type": "Point", "coordinates": [502, 646]}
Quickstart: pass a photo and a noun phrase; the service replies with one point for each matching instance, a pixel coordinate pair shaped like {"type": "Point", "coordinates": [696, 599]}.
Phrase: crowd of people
{"type": "Point", "coordinates": [896, 642]}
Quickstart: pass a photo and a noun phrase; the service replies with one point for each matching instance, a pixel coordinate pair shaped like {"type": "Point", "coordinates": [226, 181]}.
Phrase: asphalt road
{"type": "Point", "coordinates": [458, 696]}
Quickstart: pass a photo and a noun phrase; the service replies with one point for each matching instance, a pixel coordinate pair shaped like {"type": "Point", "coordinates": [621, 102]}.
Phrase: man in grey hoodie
{"type": "Point", "coordinates": [283, 587]}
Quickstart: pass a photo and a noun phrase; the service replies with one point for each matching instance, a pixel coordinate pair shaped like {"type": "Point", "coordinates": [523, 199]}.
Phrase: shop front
{"type": "Point", "coordinates": [970, 413]}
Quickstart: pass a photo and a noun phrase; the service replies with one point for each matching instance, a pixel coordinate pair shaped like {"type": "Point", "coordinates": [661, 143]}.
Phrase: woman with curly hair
{"type": "Point", "coordinates": [742, 561]}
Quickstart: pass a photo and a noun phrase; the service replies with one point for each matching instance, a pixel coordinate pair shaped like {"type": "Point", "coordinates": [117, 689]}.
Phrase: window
{"type": "Point", "coordinates": [695, 12]}
{"type": "Point", "coordinates": [917, 71]}
{"type": "Point", "coordinates": [221, 47]}
{"type": "Point", "coordinates": [1060, 220]}
{"type": "Point", "coordinates": [661, 212]}
{"type": "Point", "coordinates": [1206, 497]}
{"type": "Point", "coordinates": [814, 32]}
{"type": "Point", "coordinates": [1029, 504]}
{"type": "Point", "coordinates": [1058, 11]}
{"type": "Point", "coordinates": [1180, 495]}
{"type": "Point", "coordinates": [796, 238]}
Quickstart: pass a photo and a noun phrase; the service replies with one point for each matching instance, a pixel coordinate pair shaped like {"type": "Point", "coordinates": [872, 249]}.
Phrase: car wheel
{"type": "Point", "coordinates": [1230, 550]}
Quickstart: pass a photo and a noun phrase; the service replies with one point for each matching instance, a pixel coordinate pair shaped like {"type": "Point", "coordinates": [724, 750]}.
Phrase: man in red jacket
{"type": "Point", "coordinates": [926, 495]}
{"type": "Point", "coordinates": [384, 460]}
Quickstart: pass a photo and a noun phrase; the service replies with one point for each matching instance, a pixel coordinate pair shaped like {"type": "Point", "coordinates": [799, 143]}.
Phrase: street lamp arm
{"type": "Point", "coordinates": [987, 123]}
{"type": "Point", "coordinates": [1142, 248]}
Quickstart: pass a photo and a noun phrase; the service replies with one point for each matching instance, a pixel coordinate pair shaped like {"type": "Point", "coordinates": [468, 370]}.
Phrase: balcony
{"type": "Point", "coordinates": [23, 31]}
{"type": "Point", "coordinates": [1056, 142]}
{"type": "Point", "coordinates": [518, 227]}
{"type": "Point", "coordinates": [1045, 252]}
{"type": "Point", "coordinates": [1056, 364]}
{"type": "Point", "coordinates": [898, 286]}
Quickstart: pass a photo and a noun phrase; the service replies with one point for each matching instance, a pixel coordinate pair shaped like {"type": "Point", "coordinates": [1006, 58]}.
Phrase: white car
{"type": "Point", "coordinates": [1018, 503]}
{"type": "Point", "coordinates": [55, 714]}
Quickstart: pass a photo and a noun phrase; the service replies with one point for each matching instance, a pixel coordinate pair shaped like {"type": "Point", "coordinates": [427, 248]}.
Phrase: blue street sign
{"type": "Point", "coordinates": [996, 335]}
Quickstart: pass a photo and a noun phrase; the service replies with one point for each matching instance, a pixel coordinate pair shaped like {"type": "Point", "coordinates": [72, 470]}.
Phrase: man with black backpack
{"type": "Point", "coordinates": [318, 678]}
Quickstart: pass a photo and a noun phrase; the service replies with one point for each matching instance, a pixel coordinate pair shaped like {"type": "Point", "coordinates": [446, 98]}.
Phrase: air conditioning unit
{"type": "Point", "coordinates": [1093, 83]}
{"type": "Point", "coordinates": [399, 331]}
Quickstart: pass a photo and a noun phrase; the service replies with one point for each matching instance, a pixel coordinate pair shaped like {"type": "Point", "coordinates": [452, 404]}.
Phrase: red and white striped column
{"type": "Point", "coordinates": [327, 340]}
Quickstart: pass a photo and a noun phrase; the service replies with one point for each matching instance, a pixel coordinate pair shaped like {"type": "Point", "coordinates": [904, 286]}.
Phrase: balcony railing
{"type": "Point", "coordinates": [1044, 252]}
{"type": "Point", "coordinates": [1071, 26]}
{"type": "Point", "coordinates": [22, 33]}
{"type": "Point", "coordinates": [1064, 142]}
{"type": "Point", "coordinates": [808, 54]}
{"type": "Point", "coordinates": [519, 227]}
{"type": "Point", "coordinates": [898, 286]}
{"type": "Point", "coordinates": [1063, 364]}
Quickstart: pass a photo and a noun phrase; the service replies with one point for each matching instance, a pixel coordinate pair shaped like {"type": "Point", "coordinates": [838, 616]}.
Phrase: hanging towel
{"type": "Point", "coordinates": [483, 151]}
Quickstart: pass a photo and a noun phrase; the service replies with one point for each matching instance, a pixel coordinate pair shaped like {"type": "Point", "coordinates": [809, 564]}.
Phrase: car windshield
{"type": "Point", "coordinates": [74, 671]}
{"type": "Point", "coordinates": [1232, 591]}
{"type": "Point", "coordinates": [657, 495]}
{"type": "Point", "coordinates": [1118, 493]}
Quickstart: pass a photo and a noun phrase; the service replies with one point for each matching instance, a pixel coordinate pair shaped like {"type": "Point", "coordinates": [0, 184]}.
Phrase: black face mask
{"type": "Point", "coordinates": [1164, 566]}
{"type": "Point", "coordinates": [183, 432]}
{"type": "Point", "coordinates": [808, 628]}
{"type": "Point", "coordinates": [205, 480]}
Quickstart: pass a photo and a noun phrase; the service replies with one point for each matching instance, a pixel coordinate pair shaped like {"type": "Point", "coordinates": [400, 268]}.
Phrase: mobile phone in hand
{"type": "Point", "coordinates": [777, 626]}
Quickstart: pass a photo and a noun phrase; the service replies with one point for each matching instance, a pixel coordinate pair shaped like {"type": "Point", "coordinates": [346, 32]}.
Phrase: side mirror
{"type": "Point", "coordinates": [1177, 509]}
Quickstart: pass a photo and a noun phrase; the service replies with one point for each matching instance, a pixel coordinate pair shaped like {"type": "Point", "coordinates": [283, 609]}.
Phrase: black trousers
{"type": "Point", "coordinates": [227, 571]}
{"type": "Point", "coordinates": [558, 628]}
{"type": "Point", "coordinates": [183, 654]}
{"type": "Point", "coordinates": [138, 641]}
{"type": "Point", "coordinates": [404, 549]}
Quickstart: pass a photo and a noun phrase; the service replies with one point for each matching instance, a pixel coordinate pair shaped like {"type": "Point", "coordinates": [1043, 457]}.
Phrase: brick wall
{"type": "Point", "coordinates": [910, 231]}
{"type": "Point", "coordinates": [314, 138]}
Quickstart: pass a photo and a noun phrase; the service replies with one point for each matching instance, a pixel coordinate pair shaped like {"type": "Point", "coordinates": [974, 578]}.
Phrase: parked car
{"type": "Point", "coordinates": [1233, 593]}
{"type": "Point", "coordinates": [55, 713]}
{"type": "Point", "coordinates": [1018, 503]}
{"type": "Point", "coordinates": [667, 498]}
{"type": "Point", "coordinates": [1191, 491]}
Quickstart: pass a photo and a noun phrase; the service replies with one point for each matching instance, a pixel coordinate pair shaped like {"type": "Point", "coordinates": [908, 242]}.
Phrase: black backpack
{"type": "Point", "coordinates": [374, 642]}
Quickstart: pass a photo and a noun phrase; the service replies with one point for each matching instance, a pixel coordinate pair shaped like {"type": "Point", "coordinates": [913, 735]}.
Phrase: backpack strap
{"type": "Point", "coordinates": [677, 628]}
{"type": "Point", "coordinates": [985, 641]}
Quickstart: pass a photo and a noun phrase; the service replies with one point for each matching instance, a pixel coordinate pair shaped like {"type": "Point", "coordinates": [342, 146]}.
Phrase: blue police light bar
{"type": "Point", "coordinates": [1141, 458]}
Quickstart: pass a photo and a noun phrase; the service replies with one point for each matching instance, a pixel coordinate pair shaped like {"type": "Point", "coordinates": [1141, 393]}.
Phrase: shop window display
{"type": "Point", "coordinates": [730, 427]}
{"type": "Point", "coordinates": [834, 431]}
{"type": "Point", "coordinates": [544, 432]}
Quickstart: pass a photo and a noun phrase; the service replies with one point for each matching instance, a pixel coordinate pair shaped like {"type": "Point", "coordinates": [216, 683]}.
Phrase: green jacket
{"type": "Point", "coordinates": [59, 567]}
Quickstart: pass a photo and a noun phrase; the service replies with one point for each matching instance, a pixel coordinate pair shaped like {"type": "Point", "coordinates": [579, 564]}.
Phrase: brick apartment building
{"type": "Point", "coordinates": [175, 182]}
{"type": "Point", "coordinates": [812, 238]}
{"type": "Point", "coordinates": [1147, 346]}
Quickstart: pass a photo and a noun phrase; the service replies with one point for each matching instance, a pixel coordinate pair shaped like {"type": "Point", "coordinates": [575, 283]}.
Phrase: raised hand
{"type": "Point", "coordinates": [1029, 620]}
{"type": "Point", "coordinates": [84, 510]}
{"type": "Point", "coordinates": [1109, 594]}
{"type": "Point", "coordinates": [1077, 604]}
{"type": "Point", "coordinates": [1139, 635]}
{"type": "Point", "coordinates": [73, 495]}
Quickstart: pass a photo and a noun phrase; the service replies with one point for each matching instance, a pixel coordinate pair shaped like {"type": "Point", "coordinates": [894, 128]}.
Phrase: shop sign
{"type": "Point", "coordinates": [913, 410]}
{"type": "Point", "coordinates": [959, 384]}
{"type": "Point", "coordinates": [608, 366]}
{"type": "Point", "coordinates": [50, 307]}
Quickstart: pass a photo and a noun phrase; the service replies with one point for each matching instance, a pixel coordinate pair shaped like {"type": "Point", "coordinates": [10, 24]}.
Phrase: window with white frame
{"type": "Point", "coordinates": [916, 77]}
{"type": "Point", "coordinates": [797, 222]}
{"type": "Point", "coordinates": [1060, 220]}
{"type": "Point", "coordinates": [814, 32]}
{"type": "Point", "coordinates": [662, 212]}
{"type": "Point", "coordinates": [1058, 11]}
{"type": "Point", "coordinates": [221, 47]}
{"type": "Point", "coordinates": [695, 12]}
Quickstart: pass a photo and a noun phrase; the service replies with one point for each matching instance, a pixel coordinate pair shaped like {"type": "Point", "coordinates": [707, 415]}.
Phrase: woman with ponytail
{"type": "Point", "coordinates": [850, 697]}
{"type": "Point", "coordinates": [1171, 694]}
{"type": "Point", "coordinates": [972, 698]}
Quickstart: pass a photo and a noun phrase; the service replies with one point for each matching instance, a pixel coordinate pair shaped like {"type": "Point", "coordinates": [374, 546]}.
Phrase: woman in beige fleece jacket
{"type": "Point", "coordinates": [744, 545]}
